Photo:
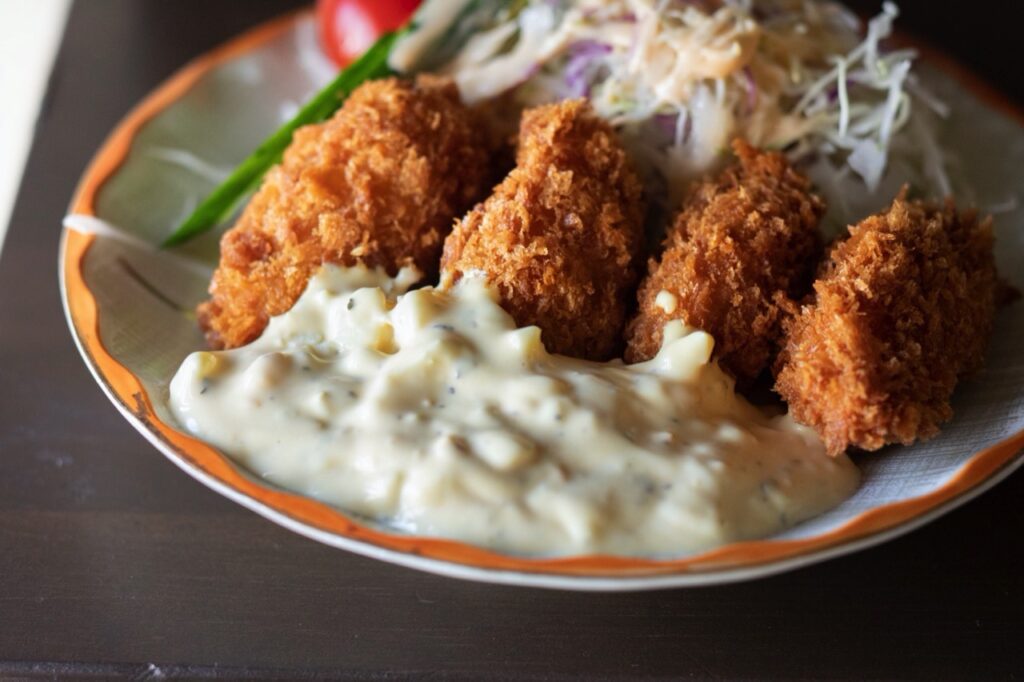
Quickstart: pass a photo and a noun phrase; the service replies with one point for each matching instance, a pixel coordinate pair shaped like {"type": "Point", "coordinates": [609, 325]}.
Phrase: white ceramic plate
{"type": "Point", "coordinates": [128, 307]}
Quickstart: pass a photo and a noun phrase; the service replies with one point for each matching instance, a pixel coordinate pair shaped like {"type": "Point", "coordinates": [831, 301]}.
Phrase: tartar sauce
{"type": "Point", "coordinates": [430, 411]}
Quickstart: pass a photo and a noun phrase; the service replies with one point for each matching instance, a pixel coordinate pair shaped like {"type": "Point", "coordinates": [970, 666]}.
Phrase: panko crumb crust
{"type": "Point", "coordinates": [903, 309]}
{"type": "Point", "coordinates": [739, 253]}
{"type": "Point", "coordinates": [561, 237]}
{"type": "Point", "coordinates": [376, 184]}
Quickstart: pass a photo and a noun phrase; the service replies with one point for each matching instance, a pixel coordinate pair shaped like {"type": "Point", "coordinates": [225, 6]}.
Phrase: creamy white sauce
{"type": "Point", "coordinates": [667, 301]}
{"type": "Point", "coordinates": [430, 411]}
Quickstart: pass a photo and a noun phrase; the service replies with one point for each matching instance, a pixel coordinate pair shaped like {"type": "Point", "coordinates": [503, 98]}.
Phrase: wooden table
{"type": "Point", "coordinates": [113, 562]}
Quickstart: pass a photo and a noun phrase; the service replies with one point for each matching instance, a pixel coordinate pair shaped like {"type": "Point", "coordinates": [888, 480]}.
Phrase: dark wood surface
{"type": "Point", "coordinates": [113, 562]}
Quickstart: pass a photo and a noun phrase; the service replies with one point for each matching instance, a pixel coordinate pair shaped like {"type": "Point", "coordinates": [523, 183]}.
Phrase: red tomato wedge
{"type": "Point", "coordinates": [348, 27]}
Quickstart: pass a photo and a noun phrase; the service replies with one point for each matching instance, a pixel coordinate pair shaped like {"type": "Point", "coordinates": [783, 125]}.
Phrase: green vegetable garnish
{"type": "Point", "coordinates": [219, 204]}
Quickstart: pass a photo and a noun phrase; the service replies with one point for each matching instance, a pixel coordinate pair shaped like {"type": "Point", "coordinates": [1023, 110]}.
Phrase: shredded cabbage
{"type": "Point", "coordinates": [681, 78]}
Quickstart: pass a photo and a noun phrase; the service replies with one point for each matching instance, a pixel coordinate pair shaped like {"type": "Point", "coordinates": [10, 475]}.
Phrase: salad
{"type": "Point", "coordinates": [681, 79]}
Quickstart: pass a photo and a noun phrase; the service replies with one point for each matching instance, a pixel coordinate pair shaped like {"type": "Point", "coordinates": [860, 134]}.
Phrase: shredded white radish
{"type": "Point", "coordinates": [681, 78]}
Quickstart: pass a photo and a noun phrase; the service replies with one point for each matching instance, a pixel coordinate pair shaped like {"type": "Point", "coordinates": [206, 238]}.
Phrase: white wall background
{"type": "Point", "coordinates": [30, 31]}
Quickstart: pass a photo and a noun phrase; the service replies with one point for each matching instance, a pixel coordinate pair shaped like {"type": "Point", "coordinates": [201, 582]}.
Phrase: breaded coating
{"type": "Point", "coordinates": [743, 247]}
{"type": "Point", "coordinates": [560, 237]}
{"type": "Point", "coordinates": [380, 183]}
{"type": "Point", "coordinates": [903, 309]}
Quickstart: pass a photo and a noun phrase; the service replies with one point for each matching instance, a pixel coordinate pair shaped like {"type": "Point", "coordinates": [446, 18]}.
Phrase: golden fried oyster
{"type": "Point", "coordinates": [379, 183]}
{"type": "Point", "coordinates": [903, 309]}
{"type": "Point", "coordinates": [560, 237]}
{"type": "Point", "coordinates": [741, 250]}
